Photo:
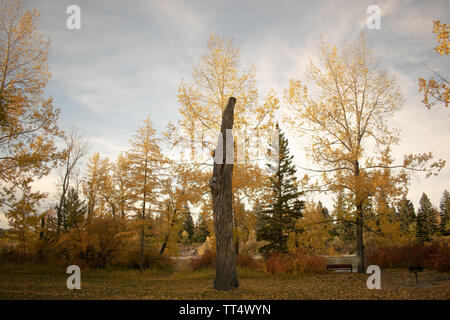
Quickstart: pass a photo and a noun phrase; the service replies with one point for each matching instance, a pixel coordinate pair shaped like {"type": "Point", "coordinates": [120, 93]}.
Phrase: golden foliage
{"type": "Point", "coordinates": [28, 125]}
{"type": "Point", "coordinates": [435, 91]}
{"type": "Point", "coordinates": [314, 232]}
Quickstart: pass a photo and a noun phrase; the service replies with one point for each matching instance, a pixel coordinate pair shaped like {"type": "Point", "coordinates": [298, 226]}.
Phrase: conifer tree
{"type": "Point", "coordinates": [283, 207]}
{"type": "Point", "coordinates": [444, 212]}
{"type": "Point", "coordinates": [145, 162]}
{"type": "Point", "coordinates": [406, 214]}
{"type": "Point", "coordinates": [74, 211]}
{"type": "Point", "coordinates": [427, 224]}
{"type": "Point", "coordinates": [201, 230]}
{"type": "Point", "coordinates": [188, 225]}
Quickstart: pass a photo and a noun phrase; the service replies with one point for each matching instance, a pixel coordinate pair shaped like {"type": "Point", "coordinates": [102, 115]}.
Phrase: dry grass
{"type": "Point", "coordinates": [24, 282]}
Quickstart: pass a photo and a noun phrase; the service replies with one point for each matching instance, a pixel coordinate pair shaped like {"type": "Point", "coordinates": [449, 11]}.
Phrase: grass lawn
{"type": "Point", "coordinates": [37, 282]}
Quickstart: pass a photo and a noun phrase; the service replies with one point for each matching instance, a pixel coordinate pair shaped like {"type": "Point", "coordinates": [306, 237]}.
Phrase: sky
{"type": "Point", "coordinates": [128, 58]}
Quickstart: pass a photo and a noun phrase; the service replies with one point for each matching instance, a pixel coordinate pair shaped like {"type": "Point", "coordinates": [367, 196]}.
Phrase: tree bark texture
{"type": "Point", "coordinates": [220, 184]}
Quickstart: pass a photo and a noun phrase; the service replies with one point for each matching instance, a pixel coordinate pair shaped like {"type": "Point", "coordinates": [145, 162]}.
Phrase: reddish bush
{"type": "Point", "coordinates": [279, 263]}
{"type": "Point", "coordinates": [207, 259]}
{"type": "Point", "coordinates": [434, 256]}
{"type": "Point", "coordinates": [283, 263]}
{"type": "Point", "coordinates": [247, 261]}
{"type": "Point", "coordinates": [310, 263]}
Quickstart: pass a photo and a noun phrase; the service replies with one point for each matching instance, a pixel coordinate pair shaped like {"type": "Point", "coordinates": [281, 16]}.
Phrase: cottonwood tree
{"type": "Point", "coordinates": [345, 116]}
{"type": "Point", "coordinates": [437, 91]}
{"type": "Point", "coordinates": [28, 122]}
{"type": "Point", "coordinates": [216, 77]}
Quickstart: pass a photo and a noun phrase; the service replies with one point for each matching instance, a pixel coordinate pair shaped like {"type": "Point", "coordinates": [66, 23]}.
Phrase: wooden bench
{"type": "Point", "coordinates": [340, 267]}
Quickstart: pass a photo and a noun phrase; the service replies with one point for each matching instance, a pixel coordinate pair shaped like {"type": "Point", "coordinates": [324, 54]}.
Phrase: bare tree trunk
{"type": "Point", "coordinates": [141, 253]}
{"type": "Point", "coordinates": [359, 228]}
{"type": "Point", "coordinates": [360, 242]}
{"type": "Point", "coordinates": [220, 184]}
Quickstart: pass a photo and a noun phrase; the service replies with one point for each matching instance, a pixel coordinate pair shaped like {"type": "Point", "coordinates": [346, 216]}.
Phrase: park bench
{"type": "Point", "coordinates": [340, 267]}
{"type": "Point", "coordinates": [415, 269]}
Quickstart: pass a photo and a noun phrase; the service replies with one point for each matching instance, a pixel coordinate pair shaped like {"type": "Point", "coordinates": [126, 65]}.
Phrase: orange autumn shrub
{"type": "Point", "coordinates": [434, 256]}
{"type": "Point", "coordinates": [208, 259]}
{"type": "Point", "coordinates": [286, 263]}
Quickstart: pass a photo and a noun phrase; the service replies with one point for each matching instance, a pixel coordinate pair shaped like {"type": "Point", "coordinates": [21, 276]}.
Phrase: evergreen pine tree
{"type": "Point", "coordinates": [188, 225]}
{"type": "Point", "coordinates": [427, 224]}
{"type": "Point", "coordinates": [406, 214]}
{"type": "Point", "coordinates": [201, 230]}
{"type": "Point", "coordinates": [278, 217]}
{"type": "Point", "coordinates": [74, 210]}
{"type": "Point", "coordinates": [444, 212]}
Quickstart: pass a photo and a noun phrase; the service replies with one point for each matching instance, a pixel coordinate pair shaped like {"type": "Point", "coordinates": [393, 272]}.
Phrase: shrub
{"type": "Point", "coordinates": [205, 260]}
{"type": "Point", "coordinates": [247, 261]}
{"type": "Point", "coordinates": [208, 259]}
{"type": "Point", "coordinates": [286, 263]}
{"type": "Point", "coordinates": [96, 246]}
{"type": "Point", "coordinates": [435, 256]}
{"type": "Point", "coordinates": [152, 259]}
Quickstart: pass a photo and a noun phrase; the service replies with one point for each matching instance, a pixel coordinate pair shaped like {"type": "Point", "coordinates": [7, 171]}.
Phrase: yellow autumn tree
{"type": "Point", "coordinates": [181, 188]}
{"type": "Point", "coordinates": [145, 162]}
{"type": "Point", "coordinates": [217, 76]}
{"type": "Point", "coordinates": [24, 222]}
{"type": "Point", "coordinates": [122, 183]}
{"type": "Point", "coordinates": [435, 91]}
{"type": "Point", "coordinates": [346, 119]}
{"type": "Point", "coordinates": [28, 120]}
{"type": "Point", "coordinates": [96, 184]}
{"type": "Point", "coordinates": [314, 231]}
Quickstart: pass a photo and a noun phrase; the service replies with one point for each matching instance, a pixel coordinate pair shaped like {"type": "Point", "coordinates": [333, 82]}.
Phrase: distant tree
{"type": "Point", "coordinates": [122, 183]}
{"type": "Point", "coordinates": [427, 224]}
{"type": "Point", "coordinates": [201, 230]}
{"type": "Point", "coordinates": [344, 228]}
{"type": "Point", "coordinates": [75, 149]}
{"type": "Point", "coordinates": [74, 211]}
{"type": "Point", "coordinates": [188, 224]}
{"type": "Point", "coordinates": [444, 212]}
{"type": "Point", "coordinates": [406, 214]}
{"type": "Point", "coordinates": [96, 183]}
{"type": "Point", "coordinates": [313, 233]}
{"type": "Point", "coordinates": [283, 205]}
{"type": "Point", "coordinates": [24, 221]}
{"type": "Point", "coordinates": [323, 209]}
{"type": "Point", "coordinates": [145, 158]}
